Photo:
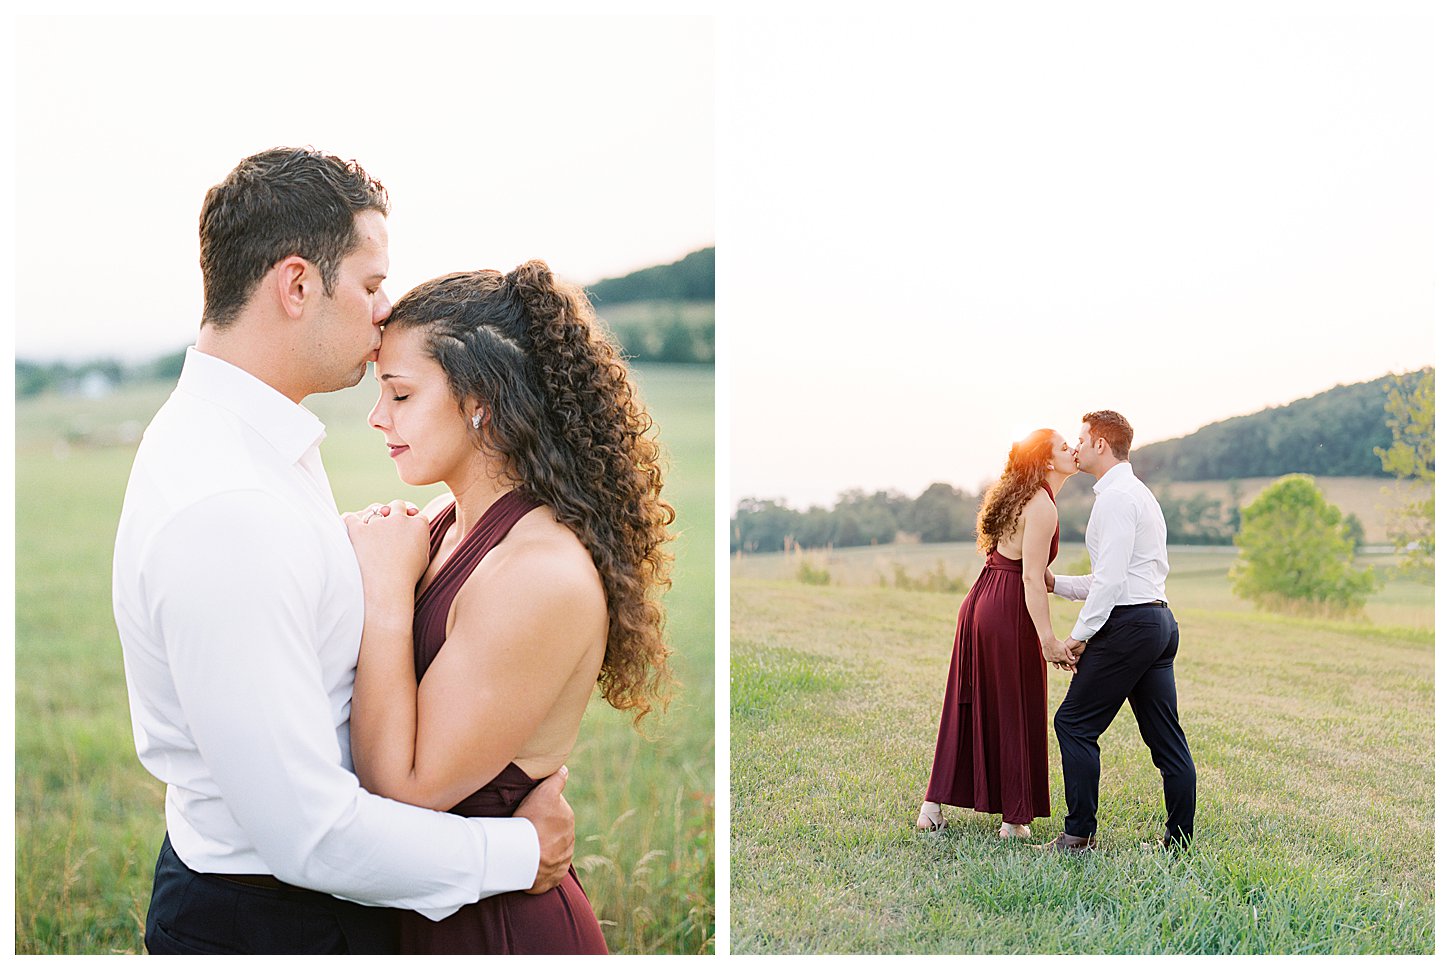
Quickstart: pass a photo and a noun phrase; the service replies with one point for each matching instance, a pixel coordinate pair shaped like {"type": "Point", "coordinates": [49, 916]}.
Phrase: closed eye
{"type": "Point", "coordinates": [400, 397]}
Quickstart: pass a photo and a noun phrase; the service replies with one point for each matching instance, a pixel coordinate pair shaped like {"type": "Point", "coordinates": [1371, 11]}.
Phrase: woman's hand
{"type": "Point", "coordinates": [1055, 652]}
{"type": "Point", "coordinates": [391, 543]}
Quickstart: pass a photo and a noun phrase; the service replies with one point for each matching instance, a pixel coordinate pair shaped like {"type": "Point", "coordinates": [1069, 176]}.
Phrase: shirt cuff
{"type": "Point", "coordinates": [512, 862]}
{"type": "Point", "coordinates": [1082, 633]}
{"type": "Point", "coordinates": [509, 848]}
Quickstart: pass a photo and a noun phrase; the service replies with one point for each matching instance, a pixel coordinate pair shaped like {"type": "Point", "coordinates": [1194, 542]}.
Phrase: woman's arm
{"type": "Point", "coordinates": [392, 554]}
{"type": "Point", "coordinates": [497, 678]}
{"type": "Point", "coordinates": [1039, 523]}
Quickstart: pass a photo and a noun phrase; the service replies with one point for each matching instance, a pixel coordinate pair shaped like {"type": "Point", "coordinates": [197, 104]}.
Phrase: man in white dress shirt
{"type": "Point", "coordinates": [1124, 641]}
{"type": "Point", "coordinates": [240, 605]}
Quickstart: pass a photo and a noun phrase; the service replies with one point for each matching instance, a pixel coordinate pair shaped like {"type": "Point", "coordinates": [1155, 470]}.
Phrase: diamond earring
{"type": "Point", "coordinates": [477, 420]}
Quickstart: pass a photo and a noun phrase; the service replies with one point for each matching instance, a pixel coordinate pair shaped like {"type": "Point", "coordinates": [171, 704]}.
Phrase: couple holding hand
{"type": "Point", "coordinates": [991, 751]}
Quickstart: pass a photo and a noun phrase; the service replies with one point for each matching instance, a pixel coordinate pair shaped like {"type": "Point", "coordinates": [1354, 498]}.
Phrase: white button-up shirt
{"type": "Point", "coordinates": [240, 608]}
{"type": "Point", "coordinates": [1127, 542]}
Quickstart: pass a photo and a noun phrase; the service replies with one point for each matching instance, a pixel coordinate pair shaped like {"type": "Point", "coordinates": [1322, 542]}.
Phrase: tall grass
{"type": "Point", "coordinates": [89, 818]}
{"type": "Point", "coordinates": [1314, 742]}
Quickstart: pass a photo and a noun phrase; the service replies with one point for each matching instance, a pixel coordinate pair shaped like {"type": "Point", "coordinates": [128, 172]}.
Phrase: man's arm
{"type": "Point", "coordinates": [238, 618]}
{"type": "Point", "coordinates": [1117, 523]}
{"type": "Point", "coordinates": [1073, 587]}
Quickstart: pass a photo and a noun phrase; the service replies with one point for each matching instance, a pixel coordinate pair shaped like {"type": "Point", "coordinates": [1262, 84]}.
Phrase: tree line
{"type": "Point", "coordinates": [37, 377]}
{"type": "Point", "coordinates": [661, 330]}
{"type": "Point", "coordinates": [945, 513]}
{"type": "Point", "coordinates": [1381, 428]}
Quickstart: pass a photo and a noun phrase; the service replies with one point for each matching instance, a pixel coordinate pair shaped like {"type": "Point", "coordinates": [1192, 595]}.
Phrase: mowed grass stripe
{"type": "Point", "coordinates": [1313, 742]}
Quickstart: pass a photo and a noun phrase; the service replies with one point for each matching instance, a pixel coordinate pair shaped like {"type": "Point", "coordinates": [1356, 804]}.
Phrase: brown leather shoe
{"type": "Point", "coordinates": [1071, 844]}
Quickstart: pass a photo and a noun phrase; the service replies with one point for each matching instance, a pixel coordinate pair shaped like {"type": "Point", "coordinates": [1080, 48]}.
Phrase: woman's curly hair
{"type": "Point", "coordinates": [562, 413]}
{"type": "Point", "coordinates": [1024, 474]}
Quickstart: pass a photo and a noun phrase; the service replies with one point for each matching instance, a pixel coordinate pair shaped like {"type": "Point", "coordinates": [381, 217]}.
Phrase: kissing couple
{"type": "Point", "coordinates": [362, 720]}
{"type": "Point", "coordinates": [991, 750]}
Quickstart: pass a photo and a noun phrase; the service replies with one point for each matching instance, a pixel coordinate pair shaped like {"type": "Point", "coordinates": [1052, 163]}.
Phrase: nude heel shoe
{"type": "Point", "coordinates": [929, 819]}
{"type": "Point", "coordinates": [1013, 830]}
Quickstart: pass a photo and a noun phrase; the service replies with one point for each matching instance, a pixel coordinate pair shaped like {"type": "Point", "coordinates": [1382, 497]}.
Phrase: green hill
{"type": "Point", "coordinates": [689, 279]}
{"type": "Point", "coordinates": [663, 314]}
{"type": "Point", "coordinates": [1333, 433]}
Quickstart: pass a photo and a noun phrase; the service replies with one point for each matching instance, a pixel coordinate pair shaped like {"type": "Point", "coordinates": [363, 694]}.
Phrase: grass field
{"type": "Point", "coordinates": [1314, 743]}
{"type": "Point", "coordinates": [1198, 575]}
{"type": "Point", "coordinates": [88, 816]}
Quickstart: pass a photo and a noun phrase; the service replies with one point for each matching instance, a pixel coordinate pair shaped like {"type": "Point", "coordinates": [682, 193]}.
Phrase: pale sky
{"type": "Point", "coordinates": [939, 234]}
{"type": "Point", "coordinates": [584, 141]}
{"type": "Point", "coordinates": [936, 231]}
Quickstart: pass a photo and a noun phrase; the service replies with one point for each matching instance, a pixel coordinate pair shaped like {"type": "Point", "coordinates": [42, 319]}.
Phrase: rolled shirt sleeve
{"type": "Point", "coordinates": [237, 618]}
{"type": "Point", "coordinates": [1114, 524]}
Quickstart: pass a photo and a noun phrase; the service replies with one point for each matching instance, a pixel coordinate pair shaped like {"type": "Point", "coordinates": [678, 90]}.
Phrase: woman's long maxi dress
{"type": "Point", "coordinates": [991, 747]}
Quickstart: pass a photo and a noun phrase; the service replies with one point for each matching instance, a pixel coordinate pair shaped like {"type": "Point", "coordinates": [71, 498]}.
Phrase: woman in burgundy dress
{"type": "Point", "coordinates": [493, 616]}
{"type": "Point", "coordinates": [991, 748]}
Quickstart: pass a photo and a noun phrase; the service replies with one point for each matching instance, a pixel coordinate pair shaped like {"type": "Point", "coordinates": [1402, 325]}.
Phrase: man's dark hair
{"type": "Point", "coordinates": [279, 203]}
{"type": "Point", "coordinates": [1112, 426]}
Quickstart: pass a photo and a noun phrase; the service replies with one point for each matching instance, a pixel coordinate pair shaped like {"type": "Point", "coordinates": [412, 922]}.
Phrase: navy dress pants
{"type": "Point", "coordinates": [193, 912]}
{"type": "Point", "coordinates": [1130, 658]}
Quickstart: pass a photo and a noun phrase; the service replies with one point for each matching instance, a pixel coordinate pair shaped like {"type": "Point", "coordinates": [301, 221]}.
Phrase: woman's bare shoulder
{"type": "Point", "coordinates": [1040, 505]}
{"type": "Point", "coordinates": [544, 562]}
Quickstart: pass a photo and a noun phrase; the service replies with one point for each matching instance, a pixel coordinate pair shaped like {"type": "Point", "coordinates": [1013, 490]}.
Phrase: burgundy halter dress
{"type": "Point", "coordinates": [991, 746]}
{"type": "Point", "coordinates": [559, 921]}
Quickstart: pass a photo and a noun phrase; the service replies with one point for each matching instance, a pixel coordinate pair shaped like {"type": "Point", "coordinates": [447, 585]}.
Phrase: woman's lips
{"type": "Point", "coordinates": [396, 450]}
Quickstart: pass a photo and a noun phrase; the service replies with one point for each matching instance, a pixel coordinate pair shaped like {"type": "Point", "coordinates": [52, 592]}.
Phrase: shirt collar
{"type": "Point", "coordinates": [1112, 474]}
{"type": "Point", "coordinates": [285, 425]}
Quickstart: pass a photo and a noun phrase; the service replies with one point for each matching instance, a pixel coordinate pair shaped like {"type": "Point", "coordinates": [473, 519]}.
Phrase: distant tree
{"type": "Point", "coordinates": [872, 519]}
{"type": "Point", "coordinates": [1410, 457]}
{"type": "Point", "coordinates": [1296, 554]}
{"type": "Point", "coordinates": [32, 378]}
{"type": "Point", "coordinates": [816, 528]}
{"type": "Point", "coordinates": [762, 525]}
{"type": "Point", "coordinates": [677, 345]}
{"type": "Point", "coordinates": [164, 368]}
{"type": "Point", "coordinates": [1354, 528]}
{"type": "Point", "coordinates": [1196, 519]}
{"type": "Point", "coordinates": [942, 513]}
{"type": "Point", "coordinates": [107, 367]}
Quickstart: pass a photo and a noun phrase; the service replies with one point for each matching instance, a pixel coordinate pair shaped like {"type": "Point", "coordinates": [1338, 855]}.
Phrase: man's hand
{"type": "Point", "coordinates": [1055, 653]}
{"type": "Point", "coordinates": [1075, 647]}
{"type": "Point", "coordinates": [553, 820]}
{"type": "Point", "coordinates": [1050, 579]}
